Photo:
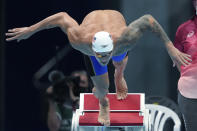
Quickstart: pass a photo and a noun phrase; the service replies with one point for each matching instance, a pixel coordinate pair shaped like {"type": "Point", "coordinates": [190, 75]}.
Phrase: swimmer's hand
{"type": "Point", "coordinates": [19, 34]}
{"type": "Point", "coordinates": [178, 57]}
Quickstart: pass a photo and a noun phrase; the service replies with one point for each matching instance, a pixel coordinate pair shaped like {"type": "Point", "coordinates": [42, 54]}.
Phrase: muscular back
{"type": "Point", "coordinates": [108, 20]}
{"type": "Point", "coordinates": [100, 20]}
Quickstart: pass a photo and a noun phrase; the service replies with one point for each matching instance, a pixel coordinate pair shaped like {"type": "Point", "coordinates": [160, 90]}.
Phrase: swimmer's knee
{"type": "Point", "coordinates": [117, 64]}
{"type": "Point", "coordinates": [100, 93]}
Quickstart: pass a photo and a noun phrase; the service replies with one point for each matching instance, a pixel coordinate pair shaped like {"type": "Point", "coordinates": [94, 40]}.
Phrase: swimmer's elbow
{"type": "Point", "coordinates": [56, 20]}
{"type": "Point", "coordinates": [62, 15]}
{"type": "Point", "coordinates": [149, 19]}
{"type": "Point", "coordinates": [147, 16]}
{"type": "Point", "coordinates": [65, 21]}
{"type": "Point", "coordinates": [62, 18]}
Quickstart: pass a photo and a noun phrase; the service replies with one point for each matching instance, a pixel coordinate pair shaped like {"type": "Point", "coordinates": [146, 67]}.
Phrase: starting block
{"type": "Point", "coordinates": [125, 115]}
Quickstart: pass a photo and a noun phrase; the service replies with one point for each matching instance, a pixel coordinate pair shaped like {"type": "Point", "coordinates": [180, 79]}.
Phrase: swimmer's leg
{"type": "Point", "coordinates": [120, 83]}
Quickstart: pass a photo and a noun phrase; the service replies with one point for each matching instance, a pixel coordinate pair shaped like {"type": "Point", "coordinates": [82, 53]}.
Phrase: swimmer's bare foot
{"type": "Point", "coordinates": [121, 88]}
{"type": "Point", "coordinates": [103, 117]}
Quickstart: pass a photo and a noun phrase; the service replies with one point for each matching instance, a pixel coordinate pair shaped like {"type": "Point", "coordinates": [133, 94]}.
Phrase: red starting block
{"type": "Point", "coordinates": [128, 113]}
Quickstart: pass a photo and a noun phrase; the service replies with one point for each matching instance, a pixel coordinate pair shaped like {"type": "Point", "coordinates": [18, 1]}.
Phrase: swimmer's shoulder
{"type": "Point", "coordinates": [80, 41]}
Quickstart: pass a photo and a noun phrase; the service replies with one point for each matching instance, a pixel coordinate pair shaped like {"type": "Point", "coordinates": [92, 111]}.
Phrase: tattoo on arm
{"type": "Point", "coordinates": [157, 29]}
{"type": "Point", "coordinates": [136, 29]}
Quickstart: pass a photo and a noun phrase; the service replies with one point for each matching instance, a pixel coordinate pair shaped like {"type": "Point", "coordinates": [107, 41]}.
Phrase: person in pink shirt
{"type": "Point", "coordinates": [186, 41]}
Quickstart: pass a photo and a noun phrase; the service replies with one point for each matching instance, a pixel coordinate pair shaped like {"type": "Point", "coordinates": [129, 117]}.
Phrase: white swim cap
{"type": "Point", "coordinates": [102, 42]}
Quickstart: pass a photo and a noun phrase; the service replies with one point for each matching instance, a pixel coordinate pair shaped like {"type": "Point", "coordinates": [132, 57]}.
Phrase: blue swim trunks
{"type": "Point", "coordinates": [95, 68]}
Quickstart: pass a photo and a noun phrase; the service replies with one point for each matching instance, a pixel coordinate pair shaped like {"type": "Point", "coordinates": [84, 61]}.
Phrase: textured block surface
{"type": "Point", "coordinates": [116, 119]}
{"type": "Point", "coordinates": [132, 102]}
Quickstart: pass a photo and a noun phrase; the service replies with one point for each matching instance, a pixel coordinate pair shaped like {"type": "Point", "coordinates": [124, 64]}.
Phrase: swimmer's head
{"type": "Point", "coordinates": [102, 42]}
{"type": "Point", "coordinates": [102, 45]}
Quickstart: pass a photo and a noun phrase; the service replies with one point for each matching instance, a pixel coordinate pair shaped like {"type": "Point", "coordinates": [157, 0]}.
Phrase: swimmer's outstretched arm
{"type": "Point", "coordinates": [61, 20]}
{"type": "Point", "coordinates": [147, 23]}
